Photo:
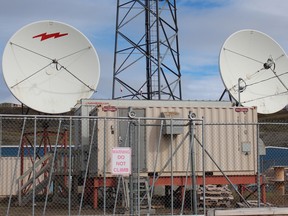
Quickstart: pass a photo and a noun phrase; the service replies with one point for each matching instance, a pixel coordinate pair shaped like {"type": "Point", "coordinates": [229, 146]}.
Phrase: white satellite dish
{"type": "Point", "coordinates": [254, 69]}
{"type": "Point", "coordinates": [49, 66]}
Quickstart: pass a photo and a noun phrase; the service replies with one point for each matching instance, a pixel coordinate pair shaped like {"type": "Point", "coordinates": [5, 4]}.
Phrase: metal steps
{"type": "Point", "coordinates": [137, 193]}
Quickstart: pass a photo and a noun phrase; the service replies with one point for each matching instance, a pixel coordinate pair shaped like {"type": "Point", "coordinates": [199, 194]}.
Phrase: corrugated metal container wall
{"type": "Point", "coordinates": [7, 167]}
{"type": "Point", "coordinates": [229, 137]}
{"type": "Point", "coordinates": [226, 132]}
{"type": "Point", "coordinates": [180, 158]}
{"type": "Point", "coordinates": [223, 139]}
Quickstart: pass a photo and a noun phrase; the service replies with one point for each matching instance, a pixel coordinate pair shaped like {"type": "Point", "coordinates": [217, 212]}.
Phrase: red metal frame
{"type": "Point", "coordinates": [44, 142]}
{"type": "Point", "coordinates": [181, 181]}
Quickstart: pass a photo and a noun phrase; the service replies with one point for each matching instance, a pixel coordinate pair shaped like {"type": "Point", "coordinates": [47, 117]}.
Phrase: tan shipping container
{"type": "Point", "coordinates": [230, 135]}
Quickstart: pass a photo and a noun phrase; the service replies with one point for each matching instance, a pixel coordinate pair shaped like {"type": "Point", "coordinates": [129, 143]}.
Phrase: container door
{"type": "Point", "coordinates": [132, 134]}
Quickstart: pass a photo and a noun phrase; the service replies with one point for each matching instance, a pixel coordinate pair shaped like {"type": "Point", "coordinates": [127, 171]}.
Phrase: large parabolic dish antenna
{"type": "Point", "coordinates": [49, 66]}
{"type": "Point", "coordinates": [254, 64]}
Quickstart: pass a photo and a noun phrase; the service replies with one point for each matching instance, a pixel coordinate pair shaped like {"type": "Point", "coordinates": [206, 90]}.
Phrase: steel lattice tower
{"type": "Point", "coordinates": [146, 57]}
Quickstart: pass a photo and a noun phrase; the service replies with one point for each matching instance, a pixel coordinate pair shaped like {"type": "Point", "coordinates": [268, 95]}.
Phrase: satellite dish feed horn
{"type": "Point", "coordinates": [267, 65]}
{"type": "Point", "coordinates": [254, 65]}
{"type": "Point", "coordinates": [49, 66]}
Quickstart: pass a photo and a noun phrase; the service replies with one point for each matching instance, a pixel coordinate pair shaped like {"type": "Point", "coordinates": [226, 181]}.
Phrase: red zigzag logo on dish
{"type": "Point", "coordinates": [45, 36]}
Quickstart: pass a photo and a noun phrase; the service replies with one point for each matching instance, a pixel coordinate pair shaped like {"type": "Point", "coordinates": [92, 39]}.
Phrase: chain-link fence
{"type": "Point", "coordinates": [129, 165]}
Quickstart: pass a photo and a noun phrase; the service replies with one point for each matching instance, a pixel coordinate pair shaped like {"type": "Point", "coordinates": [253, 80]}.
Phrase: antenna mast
{"type": "Point", "coordinates": [146, 58]}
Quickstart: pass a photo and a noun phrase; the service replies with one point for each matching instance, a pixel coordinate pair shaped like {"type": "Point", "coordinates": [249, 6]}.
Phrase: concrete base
{"type": "Point", "coordinates": [249, 211]}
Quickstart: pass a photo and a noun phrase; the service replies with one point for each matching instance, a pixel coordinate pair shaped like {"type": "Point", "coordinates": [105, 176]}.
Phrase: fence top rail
{"type": "Point", "coordinates": [94, 117]}
{"type": "Point", "coordinates": [188, 119]}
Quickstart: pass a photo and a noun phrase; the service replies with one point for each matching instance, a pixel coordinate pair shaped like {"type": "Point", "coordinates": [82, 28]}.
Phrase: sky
{"type": "Point", "coordinates": [204, 25]}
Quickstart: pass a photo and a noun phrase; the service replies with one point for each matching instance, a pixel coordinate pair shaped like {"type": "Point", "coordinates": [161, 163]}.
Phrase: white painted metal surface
{"type": "Point", "coordinates": [49, 66]}
{"type": "Point", "coordinates": [261, 65]}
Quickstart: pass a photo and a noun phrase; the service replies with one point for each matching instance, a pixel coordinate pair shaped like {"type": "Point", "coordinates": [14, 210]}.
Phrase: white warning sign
{"type": "Point", "coordinates": [121, 161]}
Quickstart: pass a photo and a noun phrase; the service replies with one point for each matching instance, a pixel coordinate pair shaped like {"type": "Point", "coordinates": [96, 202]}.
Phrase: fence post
{"type": "Point", "coordinates": [203, 165]}
{"type": "Point", "coordinates": [193, 174]}
{"type": "Point", "coordinates": [258, 168]}
{"type": "Point", "coordinates": [70, 167]}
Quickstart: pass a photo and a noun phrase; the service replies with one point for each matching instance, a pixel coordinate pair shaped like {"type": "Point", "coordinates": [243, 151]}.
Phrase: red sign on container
{"type": "Point", "coordinates": [109, 108]}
